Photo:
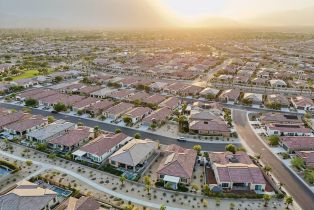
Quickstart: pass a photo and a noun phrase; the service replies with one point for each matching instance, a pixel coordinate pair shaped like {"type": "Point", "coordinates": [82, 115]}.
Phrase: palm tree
{"type": "Point", "coordinates": [147, 188]}
{"type": "Point", "coordinates": [266, 198]}
{"type": "Point", "coordinates": [288, 201]}
{"type": "Point", "coordinates": [162, 207]}
{"type": "Point", "coordinates": [122, 179]}
{"type": "Point", "coordinates": [96, 130]}
{"type": "Point", "coordinates": [267, 169]}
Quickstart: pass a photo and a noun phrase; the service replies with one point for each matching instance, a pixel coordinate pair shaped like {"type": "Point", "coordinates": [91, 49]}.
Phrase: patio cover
{"type": "Point", "coordinates": [172, 179]}
{"type": "Point", "coordinates": [79, 153]}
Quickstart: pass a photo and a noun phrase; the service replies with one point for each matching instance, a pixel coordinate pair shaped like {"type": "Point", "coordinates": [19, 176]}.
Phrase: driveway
{"type": "Point", "coordinates": [300, 193]}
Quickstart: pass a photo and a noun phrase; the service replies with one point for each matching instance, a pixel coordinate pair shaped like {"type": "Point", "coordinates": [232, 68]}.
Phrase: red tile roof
{"type": "Point", "coordinates": [179, 162]}
{"type": "Point", "coordinates": [103, 143]}
{"type": "Point", "coordinates": [72, 137]}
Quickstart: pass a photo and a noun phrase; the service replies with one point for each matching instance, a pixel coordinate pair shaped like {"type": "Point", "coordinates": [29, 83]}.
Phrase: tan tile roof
{"type": "Point", "coordinates": [133, 153]}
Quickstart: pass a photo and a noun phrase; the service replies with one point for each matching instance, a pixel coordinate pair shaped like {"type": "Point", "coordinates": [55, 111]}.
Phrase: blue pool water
{"type": "Point", "coordinates": [61, 192]}
{"type": "Point", "coordinates": [4, 170]}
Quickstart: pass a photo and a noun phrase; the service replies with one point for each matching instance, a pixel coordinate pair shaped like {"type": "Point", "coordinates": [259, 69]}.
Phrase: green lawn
{"type": "Point", "coordinates": [29, 74]}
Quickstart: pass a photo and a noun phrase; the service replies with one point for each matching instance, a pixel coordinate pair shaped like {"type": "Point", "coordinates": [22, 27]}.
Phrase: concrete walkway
{"type": "Point", "coordinates": [46, 166]}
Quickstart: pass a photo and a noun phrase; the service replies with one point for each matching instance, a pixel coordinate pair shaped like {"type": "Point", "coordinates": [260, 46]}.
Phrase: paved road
{"type": "Point", "coordinates": [262, 90]}
{"type": "Point", "coordinates": [240, 106]}
{"type": "Point", "coordinates": [300, 193]}
{"type": "Point", "coordinates": [210, 146]}
{"type": "Point", "coordinates": [46, 166]}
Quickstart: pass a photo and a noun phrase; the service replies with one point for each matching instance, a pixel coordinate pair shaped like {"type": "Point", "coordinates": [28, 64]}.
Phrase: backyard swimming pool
{"type": "Point", "coordinates": [61, 192]}
{"type": "Point", "coordinates": [4, 170]}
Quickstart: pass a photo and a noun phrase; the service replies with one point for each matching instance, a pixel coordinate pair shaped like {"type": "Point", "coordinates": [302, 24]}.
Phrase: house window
{"type": "Point", "coordinates": [258, 187]}
{"type": "Point", "coordinates": [224, 185]}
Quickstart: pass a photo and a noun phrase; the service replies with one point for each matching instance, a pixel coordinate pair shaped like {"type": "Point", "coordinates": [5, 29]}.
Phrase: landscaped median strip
{"type": "Point", "coordinates": [46, 166]}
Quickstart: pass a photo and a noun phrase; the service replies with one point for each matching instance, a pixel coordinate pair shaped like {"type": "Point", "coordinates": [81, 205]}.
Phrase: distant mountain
{"type": "Point", "coordinates": [301, 18]}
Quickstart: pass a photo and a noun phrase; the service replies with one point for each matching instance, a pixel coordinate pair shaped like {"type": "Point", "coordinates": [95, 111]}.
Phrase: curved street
{"type": "Point", "coordinates": [300, 193]}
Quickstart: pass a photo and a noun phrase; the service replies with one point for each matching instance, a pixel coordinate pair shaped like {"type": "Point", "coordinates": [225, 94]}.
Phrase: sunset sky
{"type": "Point", "coordinates": [124, 13]}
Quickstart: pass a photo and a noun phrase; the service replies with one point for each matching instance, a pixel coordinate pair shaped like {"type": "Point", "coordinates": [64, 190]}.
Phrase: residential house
{"type": "Point", "coordinates": [209, 92]}
{"type": "Point", "coordinates": [118, 110]}
{"type": "Point", "coordinates": [177, 164]}
{"type": "Point", "coordinates": [138, 96]}
{"type": "Point", "coordinates": [255, 98]}
{"type": "Point", "coordinates": [236, 171]}
{"type": "Point", "coordinates": [134, 155]}
{"type": "Point", "coordinates": [229, 96]}
{"type": "Point", "coordinates": [157, 117]}
{"type": "Point", "coordinates": [82, 203]}
{"type": "Point", "coordinates": [287, 130]}
{"type": "Point", "coordinates": [101, 147]}
{"type": "Point", "coordinates": [277, 83]}
{"type": "Point", "coordinates": [99, 107]}
{"type": "Point", "coordinates": [83, 104]}
{"type": "Point", "coordinates": [280, 118]}
{"type": "Point", "coordinates": [71, 140]}
{"type": "Point", "coordinates": [302, 103]}
{"type": "Point", "coordinates": [277, 99]}
{"type": "Point", "coordinates": [154, 99]}
{"type": "Point", "coordinates": [138, 113]}
{"type": "Point", "coordinates": [171, 103]}
{"type": "Point", "coordinates": [307, 157]}
{"type": "Point", "coordinates": [24, 126]}
{"type": "Point", "coordinates": [12, 117]}
{"type": "Point", "coordinates": [29, 196]}
{"type": "Point", "coordinates": [49, 132]}
{"type": "Point", "coordinates": [297, 143]}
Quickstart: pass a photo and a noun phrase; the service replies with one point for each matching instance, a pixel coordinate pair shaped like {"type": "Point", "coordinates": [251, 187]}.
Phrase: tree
{"type": "Point", "coordinates": [52, 156]}
{"type": "Point", "coordinates": [266, 199]}
{"type": "Point", "coordinates": [122, 179]}
{"type": "Point", "coordinates": [29, 162]}
{"type": "Point", "coordinates": [80, 123]}
{"type": "Point", "coordinates": [183, 126]}
{"type": "Point", "coordinates": [197, 148]}
{"type": "Point", "coordinates": [147, 180]}
{"type": "Point", "coordinates": [288, 201]}
{"type": "Point", "coordinates": [273, 140]}
{"type": "Point", "coordinates": [31, 102]}
{"type": "Point", "coordinates": [118, 130]}
{"type": "Point", "coordinates": [127, 120]}
{"type": "Point", "coordinates": [308, 115]}
{"type": "Point", "coordinates": [297, 162]}
{"type": "Point", "coordinates": [41, 147]}
{"type": "Point", "coordinates": [147, 188]}
{"type": "Point", "coordinates": [50, 119]}
{"type": "Point", "coordinates": [96, 131]}
{"type": "Point", "coordinates": [58, 107]}
{"type": "Point", "coordinates": [128, 207]}
{"type": "Point", "coordinates": [58, 79]}
{"type": "Point", "coordinates": [195, 187]}
{"type": "Point", "coordinates": [231, 148]}
{"type": "Point", "coordinates": [309, 176]}
{"type": "Point", "coordinates": [137, 136]}
{"type": "Point", "coordinates": [162, 207]}
{"type": "Point", "coordinates": [267, 169]}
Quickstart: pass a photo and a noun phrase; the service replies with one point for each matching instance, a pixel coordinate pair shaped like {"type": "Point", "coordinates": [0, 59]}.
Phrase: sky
{"type": "Point", "coordinates": [124, 13]}
{"type": "Point", "coordinates": [235, 9]}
